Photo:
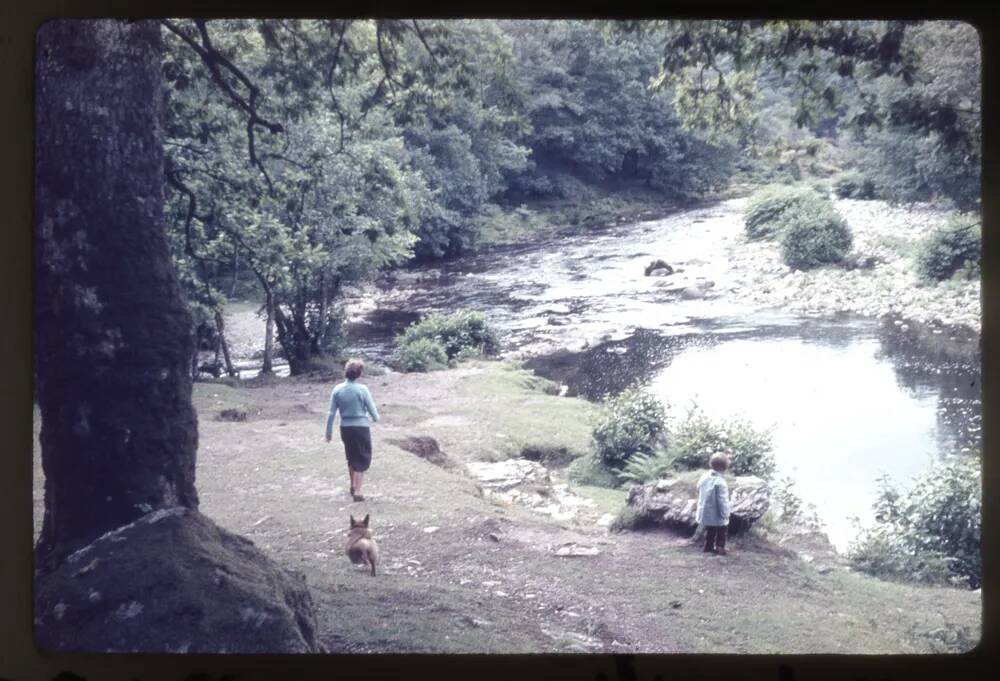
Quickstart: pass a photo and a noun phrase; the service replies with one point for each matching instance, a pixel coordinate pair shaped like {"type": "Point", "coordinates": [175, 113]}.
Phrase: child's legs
{"type": "Point", "coordinates": [710, 535]}
{"type": "Point", "coordinates": [720, 537]}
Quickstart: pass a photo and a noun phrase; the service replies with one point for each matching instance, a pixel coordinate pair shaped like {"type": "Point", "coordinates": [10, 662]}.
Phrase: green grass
{"type": "Point", "coordinates": [509, 407]}
{"type": "Point", "coordinates": [274, 480]}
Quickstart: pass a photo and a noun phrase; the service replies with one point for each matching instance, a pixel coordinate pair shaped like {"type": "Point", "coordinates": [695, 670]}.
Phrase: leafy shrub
{"type": "Point", "coordinates": [785, 498]}
{"type": "Point", "coordinates": [955, 246]}
{"type": "Point", "coordinates": [932, 533]}
{"type": "Point", "coordinates": [854, 185]}
{"type": "Point", "coordinates": [697, 437]}
{"type": "Point", "coordinates": [769, 210]}
{"type": "Point", "coordinates": [632, 422]}
{"type": "Point", "coordinates": [815, 235]}
{"type": "Point", "coordinates": [590, 470]}
{"type": "Point", "coordinates": [643, 467]}
{"type": "Point", "coordinates": [422, 354]}
{"type": "Point", "coordinates": [461, 335]}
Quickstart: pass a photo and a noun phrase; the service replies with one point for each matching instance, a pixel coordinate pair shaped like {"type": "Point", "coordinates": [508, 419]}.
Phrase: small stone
{"type": "Point", "coordinates": [431, 529]}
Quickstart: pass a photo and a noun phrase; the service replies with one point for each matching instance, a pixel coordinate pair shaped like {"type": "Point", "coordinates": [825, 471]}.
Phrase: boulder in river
{"type": "Point", "coordinates": [692, 292]}
{"type": "Point", "coordinates": [658, 268]}
{"type": "Point", "coordinates": [173, 581]}
{"type": "Point", "coordinates": [673, 502]}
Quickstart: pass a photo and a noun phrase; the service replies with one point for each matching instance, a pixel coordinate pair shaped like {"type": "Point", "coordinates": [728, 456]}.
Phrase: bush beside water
{"type": "Point", "coordinates": [438, 339]}
{"type": "Point", "coordinates": [633, 442]}
{"type": "Point", "coordinates": [697, 437]}
{"type": "Point", "coordinates": [422, 354]}
{"type": "Point", "coordinates": [816, 236]}
{"type": "Point", "coordinates": [932, 533]}
{"type": "Point", "coordinates": [955, 247]}
{"type": "Point", "coordinates": [632, 422]}
{"type": "Point", "coordinates": [769, 210]}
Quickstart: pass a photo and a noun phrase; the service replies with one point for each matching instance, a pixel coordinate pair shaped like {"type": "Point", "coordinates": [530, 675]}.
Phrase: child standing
{"type": "Point", "coordinates": [355, 405]}
{"type": "Point", "coordinates": [713, 504]}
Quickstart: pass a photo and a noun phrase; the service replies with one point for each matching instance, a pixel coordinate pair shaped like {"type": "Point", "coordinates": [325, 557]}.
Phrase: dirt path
{"type": "Point", "coordinates": [463, 573]}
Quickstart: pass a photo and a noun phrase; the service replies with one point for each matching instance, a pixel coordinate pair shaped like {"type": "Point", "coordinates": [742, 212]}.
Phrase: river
{"type": "Point", "coordinates": [849, 398]}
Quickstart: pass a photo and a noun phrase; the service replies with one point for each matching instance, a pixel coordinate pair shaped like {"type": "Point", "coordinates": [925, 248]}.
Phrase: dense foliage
{"type": "Point", "coordinates": [854, 185]}
{"type": "Point", "coordinates": [695, 438]}
{"type": "Point", "coordinates": [422, 354]}
{"type": "Point", "coordinates": [907, 92]}
{"type": "Point", "coordinates": [439, 338]}
{"type": "Point", "coordinates": [932, 532]}
{"type": "Point", "coordinates": [815, 235]}
{"type": "Point", "coordinates": [953, 247]}
{"type": "Point", "coordinates": [772, 208]}
{"type": "Point", "coordinates": [632, 422]}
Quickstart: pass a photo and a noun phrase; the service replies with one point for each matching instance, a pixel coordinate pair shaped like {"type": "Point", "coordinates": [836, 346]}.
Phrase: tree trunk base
{"type": "Point", "coordinates": [173, 581]}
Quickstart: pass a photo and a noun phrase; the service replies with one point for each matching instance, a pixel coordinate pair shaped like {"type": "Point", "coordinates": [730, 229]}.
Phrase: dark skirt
{"type": "Point", "coordinates": [357, 446]}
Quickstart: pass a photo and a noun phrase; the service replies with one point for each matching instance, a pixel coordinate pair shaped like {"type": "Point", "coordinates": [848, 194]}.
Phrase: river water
{"type": "Point", "coordinates": [848, 398]}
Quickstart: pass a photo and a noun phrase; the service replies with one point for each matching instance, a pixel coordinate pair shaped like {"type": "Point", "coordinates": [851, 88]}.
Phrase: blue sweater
{"type": "Point", "coordinates": [713, 500]}
{"type": "Point", "coordinates": [354, 403]}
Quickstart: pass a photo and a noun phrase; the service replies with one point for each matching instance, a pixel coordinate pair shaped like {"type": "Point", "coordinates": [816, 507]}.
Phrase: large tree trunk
{"type": "Point", "coordinates": [112, 340]}
{"type": "Point", "coordinates": [295, 340]}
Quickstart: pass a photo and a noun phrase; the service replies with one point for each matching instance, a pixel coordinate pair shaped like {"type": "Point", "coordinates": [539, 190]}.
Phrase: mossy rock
{"type": "Point", "coordinates": [173, 581]}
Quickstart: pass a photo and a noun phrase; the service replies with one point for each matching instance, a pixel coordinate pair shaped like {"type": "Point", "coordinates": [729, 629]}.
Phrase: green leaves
{"type": "Point", "coordinates": [631, 423]}
{"type": "Point", "coordinates": [438, 338]}
{"type": "Point", "coordinates": [933, 533]}
{"type": "Point", "coordinates": [953, 247]}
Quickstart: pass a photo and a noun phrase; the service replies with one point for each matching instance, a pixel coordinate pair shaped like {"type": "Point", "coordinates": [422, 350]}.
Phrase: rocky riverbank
{"type": "Point", "coordinates": [884, 282]}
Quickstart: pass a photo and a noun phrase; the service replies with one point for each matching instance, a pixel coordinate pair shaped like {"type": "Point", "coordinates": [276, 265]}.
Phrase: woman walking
{"type": "Point", "coordinates": [355, 405]}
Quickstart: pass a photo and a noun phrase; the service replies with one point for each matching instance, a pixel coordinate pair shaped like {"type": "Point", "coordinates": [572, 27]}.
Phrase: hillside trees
{"type": "Point", "coordinates": [464, 127]}
{"type": "Point", "coordinates": [327, 198]}
{"type": "Point", "coordinates": [906, 85]}
{"type": "Point", "coordinates": [592, 114]}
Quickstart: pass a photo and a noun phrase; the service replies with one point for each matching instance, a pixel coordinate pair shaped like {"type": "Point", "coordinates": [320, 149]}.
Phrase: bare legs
{"type": "Point", "coordinates": [356, 479]}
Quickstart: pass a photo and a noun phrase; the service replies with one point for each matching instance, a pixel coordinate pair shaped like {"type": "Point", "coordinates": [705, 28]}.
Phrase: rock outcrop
{"type": "Point", "coordinates": [173, 581]}
{"type": "Point", "coordinates": [520, 481]}
{"type": "Point", "coordinates": [673, 502]}
{"type": "Point", "coordinates": [658, 268]}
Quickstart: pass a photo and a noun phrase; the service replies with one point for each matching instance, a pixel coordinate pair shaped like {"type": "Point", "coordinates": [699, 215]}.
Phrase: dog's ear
{"type": "Point", "coordinates": [365, 522]}
{"type": "Point", "coordinates": [353, 522]}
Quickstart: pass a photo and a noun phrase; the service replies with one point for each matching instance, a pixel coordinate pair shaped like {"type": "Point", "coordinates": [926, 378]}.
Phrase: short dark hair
{"type": "Point", "coordinates": [719, 462]}
{"type": "Point", "coordinates": [354, 368]}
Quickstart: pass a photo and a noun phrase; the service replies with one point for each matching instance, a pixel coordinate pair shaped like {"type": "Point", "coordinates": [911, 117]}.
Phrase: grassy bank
{"type": "Point", "coordinates": [462, 573]}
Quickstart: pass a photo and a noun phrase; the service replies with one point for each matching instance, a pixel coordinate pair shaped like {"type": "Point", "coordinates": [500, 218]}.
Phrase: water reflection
{"type": "Point", "coordinates": [848, 399]}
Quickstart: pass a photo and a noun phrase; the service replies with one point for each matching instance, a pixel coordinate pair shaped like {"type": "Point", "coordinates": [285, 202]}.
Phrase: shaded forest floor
{"type": "Point", "coordinates": [463, 573]}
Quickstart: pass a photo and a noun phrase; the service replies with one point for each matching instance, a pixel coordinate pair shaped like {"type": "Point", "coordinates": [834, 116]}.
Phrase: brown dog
{"type": "Point", "coordinates": [361, 547]}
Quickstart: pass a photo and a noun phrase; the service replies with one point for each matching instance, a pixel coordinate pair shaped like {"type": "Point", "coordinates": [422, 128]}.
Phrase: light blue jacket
{"type": "Point", "coordinates": [713, 500]}
{"type": "Point", "coordinates": [354, 403]}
